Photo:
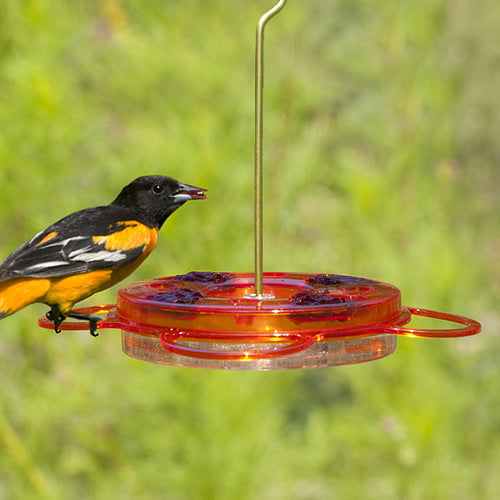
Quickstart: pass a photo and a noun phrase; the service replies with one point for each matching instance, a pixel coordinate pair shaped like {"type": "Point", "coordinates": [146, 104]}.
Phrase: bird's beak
{"type": "Point", "coordinates": [187, 192]}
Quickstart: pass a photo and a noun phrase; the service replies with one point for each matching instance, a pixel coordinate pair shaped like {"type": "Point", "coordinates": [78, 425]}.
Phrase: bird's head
{"type": "Point", "coordinates": [153, 198]}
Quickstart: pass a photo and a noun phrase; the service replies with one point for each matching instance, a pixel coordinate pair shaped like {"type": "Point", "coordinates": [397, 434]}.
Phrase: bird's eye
{"type": "Point", "coordinates": [158, 189]}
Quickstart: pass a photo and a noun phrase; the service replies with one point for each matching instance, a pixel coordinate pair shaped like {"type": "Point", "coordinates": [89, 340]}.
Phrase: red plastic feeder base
{"type": "Point", "coordinates": [214, 320]}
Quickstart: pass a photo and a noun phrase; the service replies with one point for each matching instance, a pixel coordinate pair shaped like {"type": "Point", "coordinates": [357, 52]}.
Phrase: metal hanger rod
{"type": "Point", "coordinates": [259, 86]}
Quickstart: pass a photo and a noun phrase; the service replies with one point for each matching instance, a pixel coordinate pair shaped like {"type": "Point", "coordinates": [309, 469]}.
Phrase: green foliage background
{"type": "Point", "coordinates": [381, 157]}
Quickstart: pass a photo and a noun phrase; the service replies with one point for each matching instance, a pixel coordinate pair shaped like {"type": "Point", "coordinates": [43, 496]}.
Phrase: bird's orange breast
{"type": "Point", "coordinates": [133, 235]}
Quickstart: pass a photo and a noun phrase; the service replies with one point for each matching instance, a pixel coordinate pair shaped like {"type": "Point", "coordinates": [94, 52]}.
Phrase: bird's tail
{"type": "Point", "coordinates": [20, 292]}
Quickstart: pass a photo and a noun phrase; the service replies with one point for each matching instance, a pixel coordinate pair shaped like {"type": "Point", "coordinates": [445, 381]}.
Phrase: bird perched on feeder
{"type": "Point", "coordinates": [90, 250]}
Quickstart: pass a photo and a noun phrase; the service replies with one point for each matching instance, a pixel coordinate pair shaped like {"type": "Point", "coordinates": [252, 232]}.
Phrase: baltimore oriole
{"type": "Point", "coordinates": [90, 250]}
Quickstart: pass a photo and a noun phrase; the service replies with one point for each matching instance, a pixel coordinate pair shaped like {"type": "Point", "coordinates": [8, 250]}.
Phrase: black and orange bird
{"type": "Point", "coordinates": [90, 250]}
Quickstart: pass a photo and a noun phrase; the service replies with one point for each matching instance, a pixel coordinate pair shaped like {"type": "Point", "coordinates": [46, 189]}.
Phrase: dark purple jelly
{"type": "Point", "coordinates": [203, 277]}
{"type": "Point", "coordinates": [336, 279]}
{"type": "Point", "coordinates": [177, 296]}
{"type": "Point", "coordinates": [314, 299]}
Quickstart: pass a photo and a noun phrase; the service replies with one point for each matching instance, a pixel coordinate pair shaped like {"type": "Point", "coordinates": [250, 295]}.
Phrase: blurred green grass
{"type": "Point", "coordinates": [381, 161]}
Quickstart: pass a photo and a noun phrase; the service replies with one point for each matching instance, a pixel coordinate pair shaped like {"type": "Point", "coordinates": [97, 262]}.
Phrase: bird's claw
{"type": "Point", "coordinates": [93, 320]}
{"type": "Point", "coordinates": [56, 317]}
{"type": "Point", "coordinates": [93, 326]}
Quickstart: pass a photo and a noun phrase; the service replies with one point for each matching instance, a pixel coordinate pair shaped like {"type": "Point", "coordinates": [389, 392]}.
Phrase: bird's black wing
{"type": "Point", "coordinates": [77, 244]}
